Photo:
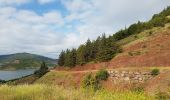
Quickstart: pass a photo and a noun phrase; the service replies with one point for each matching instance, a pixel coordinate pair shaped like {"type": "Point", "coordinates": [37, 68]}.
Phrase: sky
{"type": "Point", "coordinates": [46, 27]}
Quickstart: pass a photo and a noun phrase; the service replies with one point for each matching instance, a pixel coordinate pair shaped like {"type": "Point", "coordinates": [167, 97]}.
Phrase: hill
{"type": "Point", "coordinates": [142, 44]}
{"type": "Point", "coordinates": [23, 60]}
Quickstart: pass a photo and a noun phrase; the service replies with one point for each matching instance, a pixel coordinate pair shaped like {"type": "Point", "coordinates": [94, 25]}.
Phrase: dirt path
{"type": "Point", "coordinates": [74, 72]}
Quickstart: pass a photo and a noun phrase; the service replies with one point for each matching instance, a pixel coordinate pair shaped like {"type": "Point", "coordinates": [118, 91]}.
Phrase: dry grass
{"type": "Point", "coordinates": [46, 92]}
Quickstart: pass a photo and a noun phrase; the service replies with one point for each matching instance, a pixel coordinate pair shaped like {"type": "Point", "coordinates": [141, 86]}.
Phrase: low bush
{"type": "Point", "coordinates": [102, 75]}
{"type": "Point", "coordinates": [135, 36]}
{"type": "Point", "coordinates": [43, 70]}
{"type": "Point", "coordinates": [155, 72]}
{"type": "Point", "coordinates": [90, 82]}
{"type": "Point", "coordinates": [150, 33]}
{"type": "Point", "coordinates": [138, 89]}
{"type": "Point", "coordinates": [130, 53]}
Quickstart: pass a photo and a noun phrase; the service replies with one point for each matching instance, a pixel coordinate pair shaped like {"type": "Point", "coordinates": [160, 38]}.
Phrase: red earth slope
{"type": "Point", "coordinates": [154, 51]}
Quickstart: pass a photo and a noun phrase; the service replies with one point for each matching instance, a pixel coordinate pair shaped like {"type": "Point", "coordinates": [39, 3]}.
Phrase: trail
{"type": "Point", "coordinates": [74, 72]}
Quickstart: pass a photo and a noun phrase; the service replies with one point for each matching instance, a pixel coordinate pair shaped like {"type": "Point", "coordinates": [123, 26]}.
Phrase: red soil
{"type": "Point", "coordinates": [157, 53]}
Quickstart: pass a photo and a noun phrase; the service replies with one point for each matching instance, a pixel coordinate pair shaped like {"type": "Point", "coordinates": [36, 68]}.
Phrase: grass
{"type": "Point", "coordinates": [53, 76]}
{"type": "Point", "coordinates": [51, 92]}
{"type": "Point", "coordinates": [24, 80]}
{"type": "Point", "coordinates": [142, 36]}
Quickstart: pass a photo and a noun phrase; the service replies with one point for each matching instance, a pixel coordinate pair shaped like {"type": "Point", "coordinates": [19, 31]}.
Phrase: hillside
{"type": "Point", "coordinates": [147, 50]}
{"type": "Point", "coordinates": [142, 44]}
{"type": "Point", "coordinates": [23, 60]}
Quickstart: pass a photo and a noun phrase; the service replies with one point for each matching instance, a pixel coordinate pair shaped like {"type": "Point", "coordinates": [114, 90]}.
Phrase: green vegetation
{"type": "Point", "coordinates": [30, 79]}
{"type": "Point", "coordinates": [158, 20]}
{"type": "Point", "coordinates": [92, 82]}
{"type": "Point", "coordinates": [105, 48]}
{"type": "Point", "coordinates": [23, 60]}
{"type": "Point", "coordinates": [43, 70]}
{"type": "Point", "coordinates": [89, 82]}
{"type": "Point", "coordinates": [102, 75]}
{"type": "Point", "coordinates": [2, 81]}
{"type": "Point", "coordinates": [102, 49]}
{"type": "Point", "coordinates": [46, 92]}
{"type": "Point", "coordinates": [155, 72]}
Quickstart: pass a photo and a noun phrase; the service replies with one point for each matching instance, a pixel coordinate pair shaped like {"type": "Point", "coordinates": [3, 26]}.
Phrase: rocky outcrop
{"type": "Point", "coordinates": [129, 76]}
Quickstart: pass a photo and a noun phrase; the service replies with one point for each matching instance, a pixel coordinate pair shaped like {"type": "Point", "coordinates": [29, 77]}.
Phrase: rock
{"type": "Point", "coordinates": [112, 75]}
{"type": "Point", "coordinates": [111, 72]}
{"type": "Point", "coordinates": [136, 73]}
{"type": "Point", "coordinates": [117, 75]}
{"type": "Point", "coordinates": [126, 78]}
{"type": "Point", "coordinates": [122, 75]}
{"type": "Point", "coordinates": [116, 71]}
{"type": "Point", "coordinates": [135, 78]}
{"type": "Point", "coordinates": [140, 79]}
{"type": "Point", "coordinates": [123, 72]}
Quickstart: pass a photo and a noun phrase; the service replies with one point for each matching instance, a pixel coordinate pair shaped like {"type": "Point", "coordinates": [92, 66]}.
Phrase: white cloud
{"type": "Point", "coordinates": [13, 2]}
{"type": "Point", "coordinates": [28, 31]}
{"type": "Point", "coordinates": [45, 1]}
{"type": "Point", "coordinates": [108, 16]}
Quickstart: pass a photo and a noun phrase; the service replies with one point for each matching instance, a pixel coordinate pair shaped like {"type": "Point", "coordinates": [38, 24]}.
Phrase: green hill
{"type": "Point", "coordinates": [23, 61]}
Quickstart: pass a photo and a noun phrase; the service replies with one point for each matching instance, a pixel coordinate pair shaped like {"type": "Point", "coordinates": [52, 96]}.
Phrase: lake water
{"type": "Point", "coordinates": [8, 75]}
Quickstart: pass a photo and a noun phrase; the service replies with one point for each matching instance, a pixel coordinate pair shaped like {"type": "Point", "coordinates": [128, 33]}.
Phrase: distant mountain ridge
{"type": "Point", "coordinates": [24, 60]}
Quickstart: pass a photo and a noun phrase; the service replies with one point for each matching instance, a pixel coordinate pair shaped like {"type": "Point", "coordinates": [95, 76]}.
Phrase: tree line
{"type": "Point", "coordinates": [158, 20]}
{"type": "Point", "coordinates": [101, 49]}
{"type": "Point", "coordinates": [105, 48]}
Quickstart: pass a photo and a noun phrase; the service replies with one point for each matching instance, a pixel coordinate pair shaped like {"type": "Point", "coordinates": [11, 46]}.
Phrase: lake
{"type": "Point", "coordinates": [8, 75]}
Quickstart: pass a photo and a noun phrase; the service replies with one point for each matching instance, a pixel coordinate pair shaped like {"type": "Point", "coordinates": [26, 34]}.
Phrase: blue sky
{"type": "Point", "coordinates": [46, 27]}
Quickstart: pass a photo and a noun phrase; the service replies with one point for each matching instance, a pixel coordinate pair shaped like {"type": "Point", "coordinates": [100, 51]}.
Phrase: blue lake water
{"type": "Point", "coordinates": [8, 75]}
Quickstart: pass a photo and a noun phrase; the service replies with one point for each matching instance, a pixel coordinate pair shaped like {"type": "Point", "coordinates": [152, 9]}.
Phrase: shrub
{"type": "Point", "coordinates": [102, 75]}
{"type": "Point", "coordinates": [144, 46]}
{"type": "Point", "coordinates": [168, 27]}
{"type": "Point", "coordinates": [90, 82]}
{"type": "Point", "coordinates": [43, 70]}
{"type": "Point", "coordinates": [150, 33]}
{"type": "Point", "coordinates": [155, 72]}
{"type": "Point", "coordinates": [130, 53]}
{"type": "Point", "coordinates": [135, 36]}
{"type": "Point", "coordinates": [139, 89]}
{"type": "Point", "coordinates": [2, 81]}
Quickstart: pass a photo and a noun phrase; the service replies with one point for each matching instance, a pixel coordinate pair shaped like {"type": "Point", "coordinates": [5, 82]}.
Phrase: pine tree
{"type": "Point", "coordinates": [88, 51]}
{"type": "Point", "coordinates": [107, 49]}
{"type": "Point", "coordinates": [81, 55]}
{"type": "Point", "coordinates": [61, 58]}
{"type": "Point", "coordinates": [67, 61]}
{"type": "Point", "coordinates": [73, 57]}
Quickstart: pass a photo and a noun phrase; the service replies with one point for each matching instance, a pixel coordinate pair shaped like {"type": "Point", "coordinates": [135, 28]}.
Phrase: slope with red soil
{"type": "Point", "coordinates": [154, 51]}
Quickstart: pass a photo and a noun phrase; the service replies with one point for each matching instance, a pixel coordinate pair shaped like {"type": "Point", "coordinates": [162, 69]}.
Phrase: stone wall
{"type": "Point", "coordinates": [129, 76]}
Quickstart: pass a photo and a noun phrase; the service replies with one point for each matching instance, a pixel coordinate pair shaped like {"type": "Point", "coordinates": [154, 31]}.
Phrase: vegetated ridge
{"type": "Point", "coordinates": [141, 44]}
{"type": "Point", "coordinates": [24, 60]}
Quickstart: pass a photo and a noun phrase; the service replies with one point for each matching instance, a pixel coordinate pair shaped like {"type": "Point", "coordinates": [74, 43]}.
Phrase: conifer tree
{"type": "Point", "coordinates": [81, 55]}
{"type": "Point", "coordinates": [61, 58]}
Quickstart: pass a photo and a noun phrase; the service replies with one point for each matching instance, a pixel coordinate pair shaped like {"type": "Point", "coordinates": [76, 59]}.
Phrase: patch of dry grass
{"type": "Point", "coordinates": [46, 92]}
